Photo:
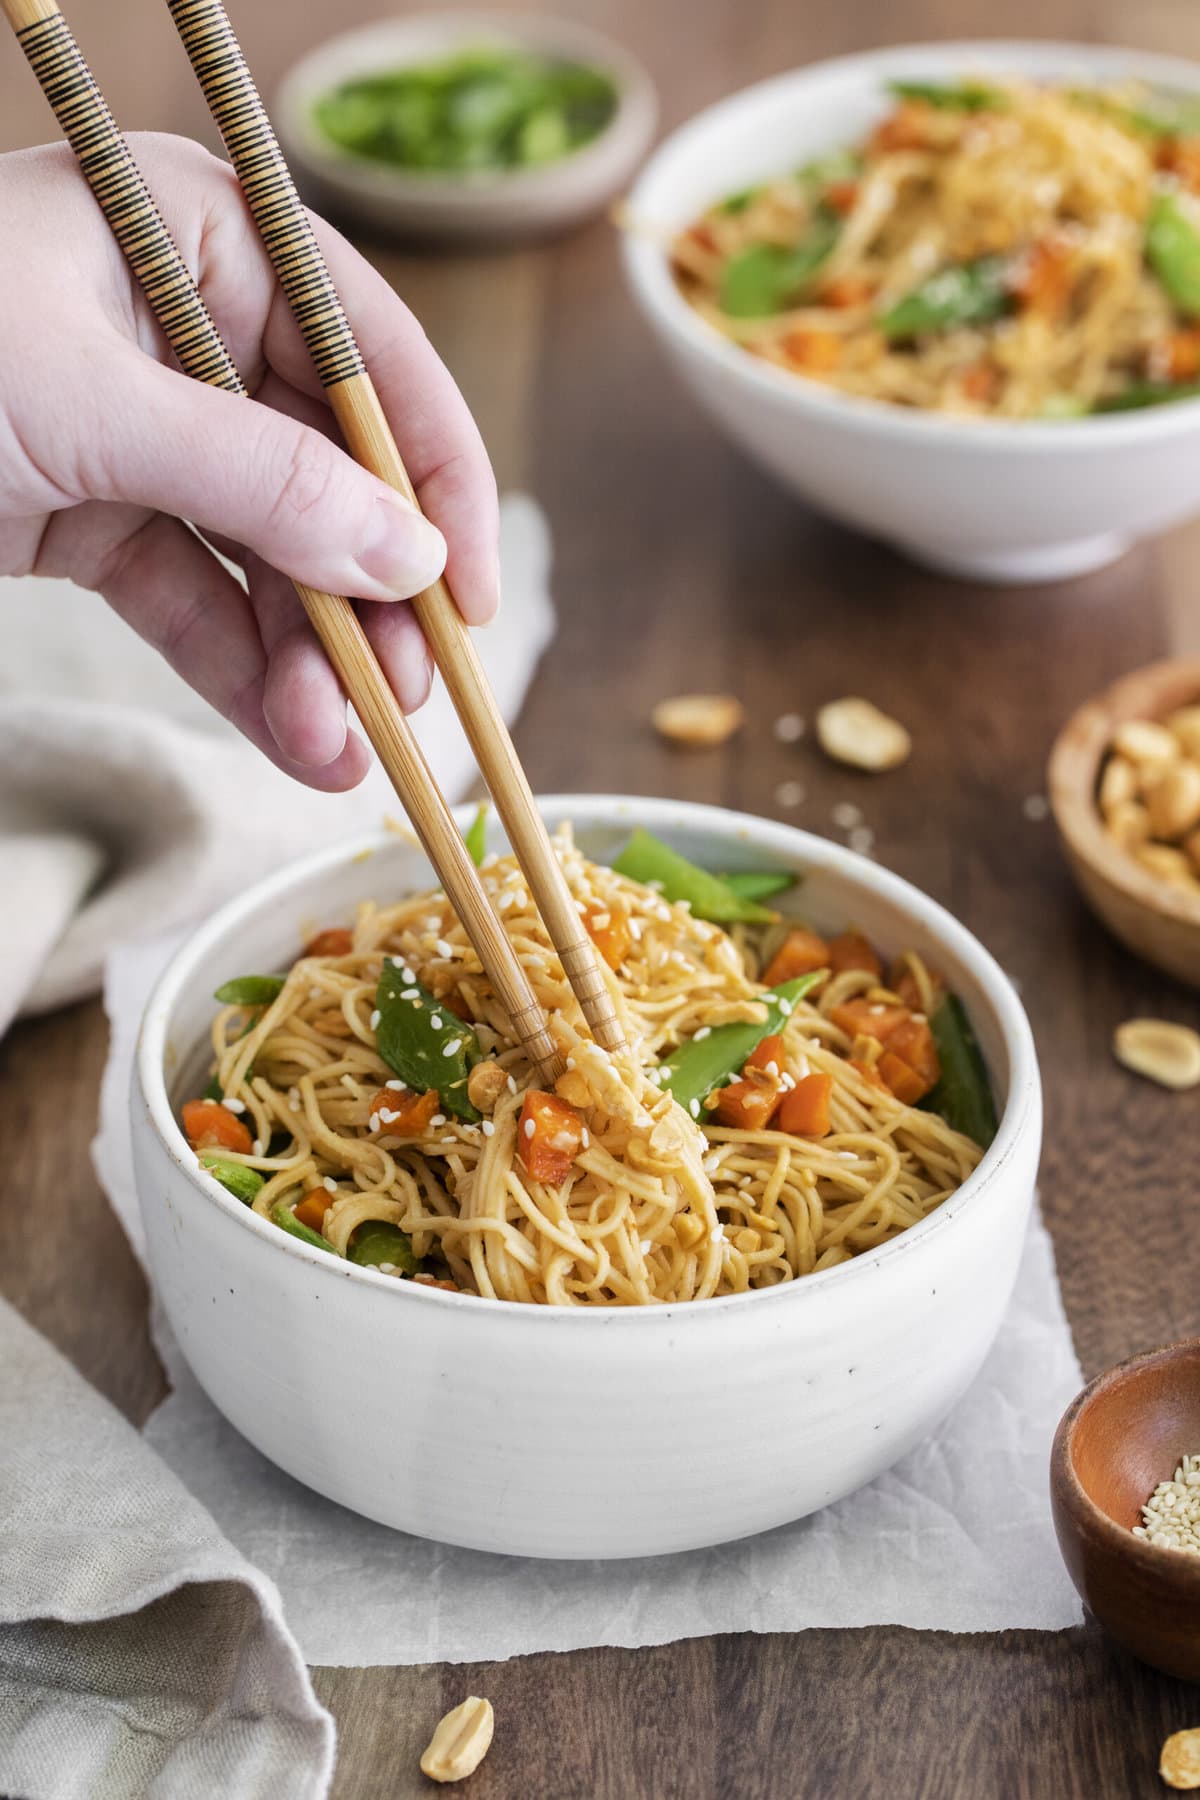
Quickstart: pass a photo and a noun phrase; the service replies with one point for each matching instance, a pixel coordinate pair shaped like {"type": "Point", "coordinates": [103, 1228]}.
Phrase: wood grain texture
{"type": "Point", "coordinates": [680, 567]}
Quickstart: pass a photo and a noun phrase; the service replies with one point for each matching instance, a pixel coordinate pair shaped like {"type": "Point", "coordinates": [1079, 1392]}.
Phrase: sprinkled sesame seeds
{"type": "Point", "coordinates": [846, 815]}
{"type": "Point", "coordinates": [232, 1105]}
{"type": "Point", "coordinates": [389, 1118]}
{"type": "Point", "coordinates": [436, 1021]}
{"type": "Point", "coordinates": [585, 1136]}
{"type": "Point", "coordinates": [260, 1149]}
{"type": "Point", "coordinates": [645, 1246]}
{"type": "Point", "coordinates": [449, 1143]}
{"type": "Point", "coordinates": [375, 1017]}
{"type": "Point", "coordinates": [704, 1031]}
{"type": "Point", "coordinates": [772, 1069]}
{"type": "Point", "coordinates": [1036, 807]}
{"type": "Point", "coordinates": [410, 993]}
{"type": "Point", "coordinates": [442, 947]}
{"type": "Point", "coordinates": [529, 1128]}
{"type": "Point", "coordinates": [373, 1122]}
{"type": "Point", "coordinates": [453, 1047]}
{"type": "Point", "coordinates": [694, 1108]}
{"type": "Point", "coordinates": [438, 1119]}
{"type": "Point", "coordinates": [329, 1184]}
{"type": "Point", "coordinates": [785, 1007]}
{"type": "Point", "coordinates": [788, 728]}
{"type": "Point", "coordinates": [1171, 1516]}
{"type": "Point", "coordinates": [512, 1084]}
{"type": "Point", "coordinates": [488, 1128]}
{"type": "Point", "coordinates": [397, 1087]}
{"type": "Point", "coordinates": [521, 899]}
{"type": "Point", "coordinates": [790, 793]}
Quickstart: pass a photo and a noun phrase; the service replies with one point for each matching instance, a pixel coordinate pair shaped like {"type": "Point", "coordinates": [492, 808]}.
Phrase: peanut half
{"type": "Point", "coordinates": [700, 721]}
{"type": "Point", "coordinates": [1160, 1050]}
{"type": "Point", "coordinates": [461, 1741]}
{"type": "Point", "coordinates": [1179, 1764]}
{"type": "Point", "coordinates": [854, 731]}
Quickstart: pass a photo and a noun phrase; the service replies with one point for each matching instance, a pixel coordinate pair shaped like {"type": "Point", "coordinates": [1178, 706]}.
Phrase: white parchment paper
{"type": "Point", "coordinates": [956, 1537]}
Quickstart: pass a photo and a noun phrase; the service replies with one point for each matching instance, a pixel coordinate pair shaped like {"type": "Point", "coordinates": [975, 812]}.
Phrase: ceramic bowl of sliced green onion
{"type": "Point", "coordinates": [466, 126]}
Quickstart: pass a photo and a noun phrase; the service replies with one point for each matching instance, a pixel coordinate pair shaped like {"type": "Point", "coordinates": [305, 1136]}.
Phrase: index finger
{"type": "Point", "coordinates": [432, 424]}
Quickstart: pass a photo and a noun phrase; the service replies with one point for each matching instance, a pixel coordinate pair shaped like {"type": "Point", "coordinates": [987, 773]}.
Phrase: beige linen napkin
{"type": "Point", "coordinates": [141, 1656]}
{"type": "Point", "coordinates": [126, 806]}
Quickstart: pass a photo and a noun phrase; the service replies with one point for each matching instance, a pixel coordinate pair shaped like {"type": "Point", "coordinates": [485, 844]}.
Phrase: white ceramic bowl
{"type": "Point", "coordinates": [490, 205]}
{"type": "Point", "coordinates": [592, 1433]}
{"type": "Point", "coordinates": [998, 500]}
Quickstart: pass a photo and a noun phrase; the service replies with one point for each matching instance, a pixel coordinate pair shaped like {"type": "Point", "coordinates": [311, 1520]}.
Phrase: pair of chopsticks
{"type": "Point", "coordinates": [287, 235]}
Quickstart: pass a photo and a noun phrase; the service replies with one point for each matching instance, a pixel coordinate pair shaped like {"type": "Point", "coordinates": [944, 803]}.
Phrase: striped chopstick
{"type": "Point", "coordinates": [283, 223]}
{"type": "Point", "coordinates": [114, 178]}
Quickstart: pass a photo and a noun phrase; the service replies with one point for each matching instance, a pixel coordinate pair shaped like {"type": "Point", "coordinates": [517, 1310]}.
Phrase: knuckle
{"type": "Point", "coordinates": [304, 483]}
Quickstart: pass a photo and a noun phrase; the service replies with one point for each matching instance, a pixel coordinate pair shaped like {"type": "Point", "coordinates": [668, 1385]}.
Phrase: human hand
{"type": "Point", "coordinates": [105, 447]}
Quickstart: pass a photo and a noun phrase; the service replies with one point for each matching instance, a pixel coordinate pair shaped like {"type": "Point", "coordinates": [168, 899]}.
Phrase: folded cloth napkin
{"type": "Point", "coordinates": [126, 805]}
{"type": "Point", "coordinates": [140, 1654]}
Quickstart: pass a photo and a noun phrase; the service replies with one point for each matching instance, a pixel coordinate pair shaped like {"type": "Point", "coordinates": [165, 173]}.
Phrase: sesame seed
{"type": "Point", "coordinates": [373, 1122]}
{"type": "Point", "coordinates": [645, 1246]}
{"type": "Point", "coordinates": [436, 1021]}
{"type": "Point", "coordinates": [1036, 807]}
{"type": "Point", "coordinates": [438, 1119]}
{"type": "Point", "coordinates": [442, 947]}
{"type": "Point", "coordinates": [453, 1046]}
{"type": "Point", "coordinates": [529, 1128]}
{"type": "Point", "coordinates": [846, 815]}
{"type": "Point", "coordinates": [704, 1031]}
{"type": "Point", "coordinates": [785, 1007]}
{"type": "Point", "coordinates": [585, 1137]}
{"type": "Point", "coordinates": [862, 840]}
{"type": "Point", "coordinates": [407, 975]}
{"type": "Point", "coordinates": [329, 1184]}
{"type": "Point", "coordinates": [488, 1128]}
{"type": "Point", "coordinates": [694, 1108]}
{"type": "Point", "coordinates": [788, 728]}
{"type": "Point", "coordinates": [521, 900]}
{"type": "Point", "coordinates": [386, 1268]}
{"type": "Point", "coordinates": [396, 1086]}
{"type": "Point", "coordinates": [260, 1149]}
{"type": "Point", "coordinates": [449, 1143]}
{"type": "Point", "coordinates": [790, 793]}
{"type": "Point", "coordinates": [234, 1106]}
{"type": "Point", "coordinates": [375, 1018]}
{"type": "Point", "coordinates": [389, 1118]}
{"type": "Point", "coordinates": [512, 1084]}
{"type": "Point", "coordinates": [410, 993]}
{"type": "Point", "coordinates": [772, 1069]}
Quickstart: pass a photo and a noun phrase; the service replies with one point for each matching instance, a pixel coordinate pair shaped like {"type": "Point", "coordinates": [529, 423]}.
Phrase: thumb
{"type": "Point", "coordinates": [281, 488]}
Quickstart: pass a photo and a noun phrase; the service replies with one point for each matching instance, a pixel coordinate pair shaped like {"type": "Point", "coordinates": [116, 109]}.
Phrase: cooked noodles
{"type": "Point", "coordinates": [652, 1201]}
{"type": "Point", "coordinates": [993, 248]}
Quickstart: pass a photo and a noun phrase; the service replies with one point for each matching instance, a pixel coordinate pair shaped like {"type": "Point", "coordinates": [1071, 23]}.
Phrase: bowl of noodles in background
{"type": "Point", "coordinates": [577, 1430]}
{"type": "Point", "coordinates": [953, 318]}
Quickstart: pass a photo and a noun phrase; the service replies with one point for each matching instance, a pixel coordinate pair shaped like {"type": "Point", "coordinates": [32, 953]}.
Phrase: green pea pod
{"type": "Point", "coordinates": [768, 278]}
{"type": "Point", "coordinates": [475, 836]}
{"type": "Point", "coordinates": [823, 171]}
{"type": "Point", "coordinates": [957, 96]}
{"type": "Point", "coordinates": [963, 1095]}
{"type": "Point", "coordinates": [214, 1090]}
{"type": "Point", "coordinates": [737, 203]}
{"type": "Point", "coordinates": [704, 1063]}
{"type": "Point", "coordinates": [648, 860]}
{"type": "Point", "coordinates": [243, 1183]}
{"type": "Point", "coordinates": [250, 990]}
{"type": "Point", "coordinates": [1166, 115]}
{"type": "Point", "coordinates": [1148, 393]}
{"type": "Point", "coordinates": [1173, 250]}
{"type": "Point", "coordinates": [758, 884]}
{"type": "Point", "coordinates": [968, 293]}
{"type": "Point", "coordinates": [283, 1216]}
{"type": "Point", "coordinates": [425, 1043]}
{"type": "Point", "coordinates": [375, 1242]}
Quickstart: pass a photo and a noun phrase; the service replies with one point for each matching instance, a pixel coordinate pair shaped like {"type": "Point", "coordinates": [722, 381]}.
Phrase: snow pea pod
{"type": "Point", "coordinates": [758, 884]}
{"type": "Point", "coordinates": [242, 1183]}
{"type": "Point", "coordinates": [963, 1095]}
{"type": "Point", "coordinates": [768, 278]}
{"type": "Point", "coordinates": [282, 1215]}
{"type": "Point", "coordinates": [647, 859]}
{"type": "Point", "coordinates": [1148, 393]}
{"type": "Point", "coordinates": [1173, 250]}
{"type": "Point", "coordinates": [250, 990]}
{"type": "Point", "coordinates": [967, 293]}
{"type": "Point", "coordinates": [376, 1242]}
{"type": "Point", "coordinates": [958, 96]}
{"type": "Point", "coordinates": [423, 1041]}
{"type": "Point", "coordinates": [475, 836]}
{"type": "Point", "coordinates": [703, 1063]}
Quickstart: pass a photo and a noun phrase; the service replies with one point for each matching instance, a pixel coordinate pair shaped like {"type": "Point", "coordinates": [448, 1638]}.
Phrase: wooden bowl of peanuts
{"type": "Point", "coordinates": [1124, 786]}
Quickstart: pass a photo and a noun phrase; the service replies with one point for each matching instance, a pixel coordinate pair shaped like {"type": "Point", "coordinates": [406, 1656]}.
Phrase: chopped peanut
{"type": "Point", "coordinates": [700, 721]}
{"type": "Point", "coordinates": [485, 1084]}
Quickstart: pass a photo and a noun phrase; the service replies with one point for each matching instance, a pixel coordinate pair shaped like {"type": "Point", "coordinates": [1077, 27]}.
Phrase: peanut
{"type": "Point", "coordinates": [1142, 741]}
{"type": "Point", "coordinates": [1118, 783]}
{"type": "Point", "coordinates": [1129, 823]}
{"type": "Point", "coordinates": [1170, 865]}
{"type": "Point", "coordinates": [1160, 1050]}
{"type": "Point", "coordinates": [1184, 726]}
{"type": "Point", "coordinates": [854, 731]}
{"type": "Point", "coordinates": [461, 1741]}
{"type": "Point", "coordinates": [485, 1084]}
{"type": "Point", "coordinates": [1173, 801]}
{"type": "Point", "coordinates": [700, 721]}
{"type": "Point", "coordinates": [1179, 1764]}
{"type": "Point", "coordinates": [688, 1229]}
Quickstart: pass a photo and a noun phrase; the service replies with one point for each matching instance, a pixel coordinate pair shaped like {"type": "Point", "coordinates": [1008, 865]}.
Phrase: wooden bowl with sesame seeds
{"type": "Point", "coordinates": [1158, 920]}
{"type": "Point", "coordinates": [1124, 1434]}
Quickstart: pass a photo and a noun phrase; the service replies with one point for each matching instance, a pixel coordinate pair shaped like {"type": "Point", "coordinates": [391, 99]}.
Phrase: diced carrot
{"type": "Point", "coordinates": [747, 1105]}
{"type": "Point", "coordinates": [799, 954]}
{"type": "Point", "coordinates": [900, 1080]}
{"type": "Point", "coordinates": [841, 196]}
{"type": "Point", "coordinates": [864, 1018]}
{"type": "Point", "coordinates": [804, 1110]}
{"type": "Point", "coordinates": [981, 382]}
{"type": "Point", "coordinates": [414, 1112]}
{"type": "Point", "coordinates": [1182, 157]}
{"type": "Point", "coordinates": [1183, 355]}
{"type": "Point", "coordinates": [846, 290]}
{"type": "Point", "coordinates": [913, 1042]}
{"type": "Point", "coordinates": [905, 129]}
{"type": "Point", "coordinates": [549, 1136]}
{"type": "Point", "coordinates": [869, 1073]}
{"type": "Point", "coordinates": [850, 950]}
{"type": "Point", "coordinates": [701, 235]}
{"type": "Point", "coordinates": [210, 1126]}
{"type": "Point", "coordinates": [451, 1287]}
{"type": "Point", "coordinates": [814, 351]}
{"type": "Point", "coordinates": [903, 982]}
{"type": "Point", "coordinates": [767, 1051]}
{"type": "Point", "coordinates": [337, 941]}
{"type": "Point", "coordinates": [608, 928]}
{"type": "Point", "coordinates": [312, 1209]}
{"type": "Point", "coordinates": [1043, 282]}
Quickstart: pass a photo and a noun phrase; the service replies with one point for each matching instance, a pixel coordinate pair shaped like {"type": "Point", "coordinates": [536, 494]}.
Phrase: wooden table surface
{"type": "Point", "coordinates": [679, 566]}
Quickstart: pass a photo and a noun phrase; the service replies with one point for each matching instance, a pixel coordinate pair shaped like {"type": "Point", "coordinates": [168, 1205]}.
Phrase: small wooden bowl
{"type": "Point", "coordinates": [1159, 923]}
{"type": "Point", "coordinates": [1116, 1442]}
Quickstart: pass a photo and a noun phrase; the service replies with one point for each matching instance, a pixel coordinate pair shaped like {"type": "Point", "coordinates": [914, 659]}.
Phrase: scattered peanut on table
{"type": "Point", "coordinates": [1160, 1050]}
{"type": "Point", "coordinates": [854, 731]}
{"type": "Point", "coordinates": [461, 1741]}
{"type": "Point", "coordinates": [1149, 795]}
{"type": "Point", "coordinates": [700, 721]}
{"type": "Point", "coordinates": [1179, 1764]}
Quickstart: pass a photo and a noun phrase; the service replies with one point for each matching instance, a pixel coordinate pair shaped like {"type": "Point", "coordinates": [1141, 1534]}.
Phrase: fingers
{"type": "Point", "coordinates": [437, 436]}
{"type": "Point", "coordinates": [174, 593]}
{"type": "Point", "coordinates": [248, 472]}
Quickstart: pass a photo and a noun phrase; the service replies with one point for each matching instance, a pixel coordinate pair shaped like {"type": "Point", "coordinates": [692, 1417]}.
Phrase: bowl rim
{"type": "Point", "coordinates": [644, 256]}
{"type": "Point", "coordinates": [1076, 814]}
{"type": "Point", "coordinates": [1022, 1109]}
{"type": "Point", "coordinates": [636, 101]}
{"type": "Point", "coordinates": [1153, 1559]}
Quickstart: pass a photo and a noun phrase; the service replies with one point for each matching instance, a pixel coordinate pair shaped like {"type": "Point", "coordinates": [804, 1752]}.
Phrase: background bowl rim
{"type": "Point", "coordinates": [647, 272]}
{"type": "Point", "coordinates": [1022, 1109]}
{"type": "Point", "coordinates": [636, 105]}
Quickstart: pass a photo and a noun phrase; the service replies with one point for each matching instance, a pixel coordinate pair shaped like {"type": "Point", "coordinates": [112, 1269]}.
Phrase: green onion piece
{"type": "Point", "coordinates": [250, 990]}
{"type": "Point", "coordinates": [768, 278]}
{"type": "Point", "coordinates": [1173, 250]}
{"type": "Point", "coordinates": [423, 1053]}
{"type": "Point", "coordinates": [375, 1242]}
{"type": "Point", "coordinates": [758, 884]}
{"type": "Point", "coordinates": [475, 836]}
{"type": "Point", "coordinates": [1147, 393]}
{"type": "Point", "coordinates": [963, 1095]}
{"type": "Point", "coordinates": [283, 1216]}
{"type": "Point", "coordinates": [243, 1183]}
{"type": "Point", "coordinates": [964, 294]}
{"type": "Point", "coordinates": [701, 1064]}
{"type": "Point", "coordinates": [647, 859]}
{"type": "Point", "coordinates": [958, 96]}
